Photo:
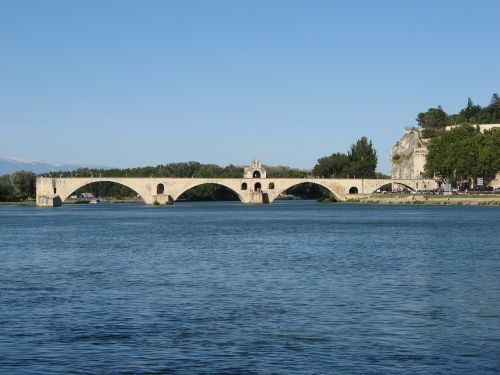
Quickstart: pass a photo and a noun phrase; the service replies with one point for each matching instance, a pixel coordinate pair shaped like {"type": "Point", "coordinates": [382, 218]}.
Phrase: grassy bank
{"type": "Point", "coordinates": [450, 200]}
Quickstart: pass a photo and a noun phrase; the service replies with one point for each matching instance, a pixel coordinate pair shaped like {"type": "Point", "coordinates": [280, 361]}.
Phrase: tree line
{"type": "Point", "coordinates": [434, 121]}
{"type": "Point", "coordinates": [17, 186]}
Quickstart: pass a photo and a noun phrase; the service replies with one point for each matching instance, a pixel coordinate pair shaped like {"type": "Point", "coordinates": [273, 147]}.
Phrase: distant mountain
{"type": "Point", "coordinates": [10, 165]}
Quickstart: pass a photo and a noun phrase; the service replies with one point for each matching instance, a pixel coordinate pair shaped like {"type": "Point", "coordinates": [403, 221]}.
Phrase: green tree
{"type": "Point", "coordinates": [489, 155]}
{"type": "Point", "coordinates": [362, 159]}
{"type": "Point", "coordinates": [433, 122]}
{"type": "Point", "coordinates": [464, 154]}
{"type": "Point", "coordinates": [6, 189]}
{"type": "Point", "coordinates": [335, 165]}
{"type": "Point", "coordinates": [208, 170]}
{"type": "Point", "coordinates": [281, 171]}
{"type": "Point", "coordinates": [475, 114]}
{"type": "Point", "coordinates": [24, 183]}
{"type": "Point", "coordinates": [491, 113]}
{"type": "Point", "coordinates": [471, 113]}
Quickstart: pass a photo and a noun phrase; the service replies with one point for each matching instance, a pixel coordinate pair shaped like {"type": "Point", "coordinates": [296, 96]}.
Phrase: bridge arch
{"type": "Point", "coordinates": [282, 188]}
{"type": "Point", "coordinates": [65, 190]}
{"type": "Point", "coordinates": [353, 190]}
{"type": "Point", "coordinates": [178, 194]}
{"type": "Point", "coordinates": [394, 182]}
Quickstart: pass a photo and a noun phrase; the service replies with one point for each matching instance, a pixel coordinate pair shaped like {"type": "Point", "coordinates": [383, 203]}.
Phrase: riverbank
{"type": "Point", "coordinates": [21, 203]}
{"type": "Point", "coordinates": [406, 199]}
{"type": "Point", "coordinates": [451, 200]}
{"type": "Point", "coordinates": [103, 200]}
{"type": "Point", "coordinates": [72, 201]}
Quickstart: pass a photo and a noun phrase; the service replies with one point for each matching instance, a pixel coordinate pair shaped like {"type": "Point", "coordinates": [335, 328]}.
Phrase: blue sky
{"type": "Point", "coordinates": [129, 83]}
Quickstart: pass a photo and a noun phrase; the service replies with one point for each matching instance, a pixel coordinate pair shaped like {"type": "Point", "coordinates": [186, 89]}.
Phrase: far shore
{"type": "Point", "coordinates": [396, 199]}
{"type": "Point", "coordinates": [438, 200]}
{"type": "Point", "coordinates": [18, 203]}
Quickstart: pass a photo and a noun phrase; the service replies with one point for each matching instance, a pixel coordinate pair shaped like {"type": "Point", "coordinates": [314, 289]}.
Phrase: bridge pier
{"type": "Point", "coordinates": [164, 199]}
{"type": "Point", "coordinates": [46, 193]}
{"type": "Point", "coordinates": [254, 197]}
{"type": "Point", "coordinates": [46, 201]}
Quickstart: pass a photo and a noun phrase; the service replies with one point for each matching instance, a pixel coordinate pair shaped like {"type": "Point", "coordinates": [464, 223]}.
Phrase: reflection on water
{"type": "Point", "coordinates": [288, 288]}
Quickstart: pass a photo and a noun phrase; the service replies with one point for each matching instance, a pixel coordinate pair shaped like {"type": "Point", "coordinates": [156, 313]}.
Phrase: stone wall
{"type": "Point", "coordinates": [482, 127]}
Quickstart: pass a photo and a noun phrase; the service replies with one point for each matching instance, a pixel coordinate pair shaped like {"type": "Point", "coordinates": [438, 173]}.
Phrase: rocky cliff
{"type": "Point", "coordinates": [408, 155]}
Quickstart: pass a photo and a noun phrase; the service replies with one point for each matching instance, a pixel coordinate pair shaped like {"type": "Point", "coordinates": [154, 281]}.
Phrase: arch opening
{"type": "Point", "coordinates": [160, 189]}
{"type": "Point", "coordinates": [209, 192]}
{"type": "Point", "coordinates": [271, 186]}
{"type": "Point", "coordinates": [256, 174]}
{"type": "Point", "coordinates": [257, 187]}
{"type": "Point", "coordinates": [102, 191]}
{"type": "Point", "coordinates": [394, 187]}
{"type": "Point", "coordinates": [244, 186]}
{"type": "Point", "coordinates": [353, 190]}
{"type": "Point", "coordinates": [307, 191]}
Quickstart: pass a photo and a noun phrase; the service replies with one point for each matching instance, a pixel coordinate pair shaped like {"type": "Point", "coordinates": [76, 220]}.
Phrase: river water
{"type": "Point", "coordinates": [222, 288]}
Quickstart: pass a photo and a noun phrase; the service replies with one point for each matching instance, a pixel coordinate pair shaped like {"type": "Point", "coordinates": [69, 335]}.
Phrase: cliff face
{"type": "Point", "coordinates": [408, 156]}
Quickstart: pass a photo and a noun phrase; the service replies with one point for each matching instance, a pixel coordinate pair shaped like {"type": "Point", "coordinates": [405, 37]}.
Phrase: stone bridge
{"type": "Point", "coordinates": [254, 190]}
